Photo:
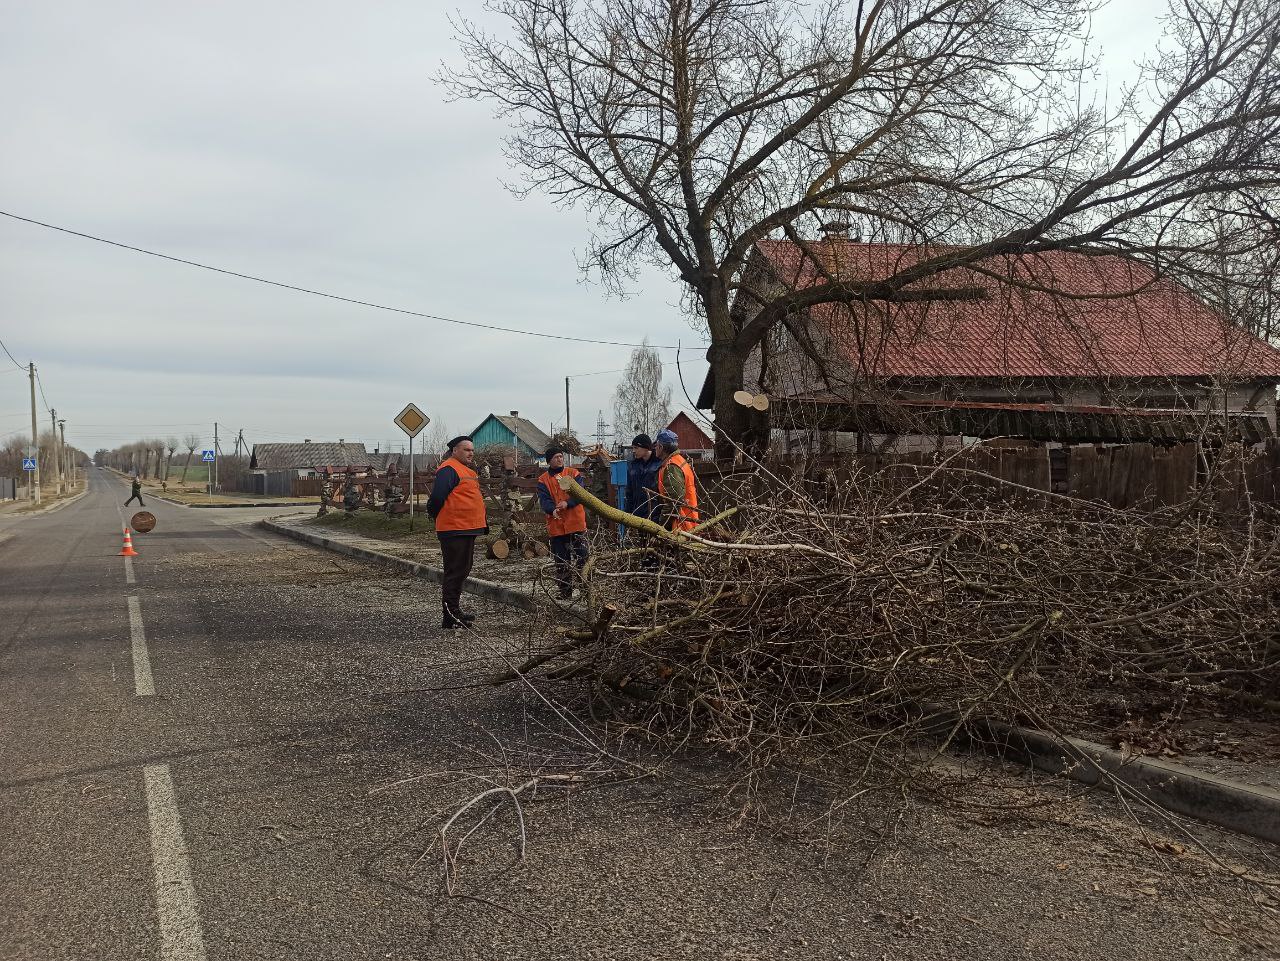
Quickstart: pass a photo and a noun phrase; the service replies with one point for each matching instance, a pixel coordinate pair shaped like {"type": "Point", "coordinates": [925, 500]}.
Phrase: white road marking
{"type": "Point", "coordinates": [128, 571]}
{"type": "Point", "coordinates": [142, 679]}
{"type": "Point", "coordinates": [176, 905]}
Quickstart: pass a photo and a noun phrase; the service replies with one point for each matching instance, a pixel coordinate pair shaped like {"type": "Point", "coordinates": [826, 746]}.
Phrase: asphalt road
{"type": "Point", "coordinates": [280, 794]}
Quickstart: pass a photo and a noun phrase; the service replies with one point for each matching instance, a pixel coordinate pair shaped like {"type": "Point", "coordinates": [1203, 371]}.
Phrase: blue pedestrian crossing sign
{"type": "Point", "coordinates": [28, 463]}
{"type": "Point", "coordinates": [206, 456]}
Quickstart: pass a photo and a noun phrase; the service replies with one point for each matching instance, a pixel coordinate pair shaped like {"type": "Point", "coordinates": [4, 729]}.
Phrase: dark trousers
{"type": "Point", "coordinates": [570, 552]}
{"type": "Point", "coordinates": [458, 552]}
{"type": "Point", "coordinates": [138, 496]}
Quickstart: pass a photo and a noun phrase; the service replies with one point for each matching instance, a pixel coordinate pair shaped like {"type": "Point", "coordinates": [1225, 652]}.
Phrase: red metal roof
{"type": "Point", "coordinates": [1118, 319]}
{"type": "Point", "coordinates": [690, 434]}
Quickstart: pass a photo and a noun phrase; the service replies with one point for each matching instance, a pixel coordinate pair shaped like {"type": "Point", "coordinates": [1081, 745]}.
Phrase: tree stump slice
{"type": "Point", "coordinates": [499, 550]}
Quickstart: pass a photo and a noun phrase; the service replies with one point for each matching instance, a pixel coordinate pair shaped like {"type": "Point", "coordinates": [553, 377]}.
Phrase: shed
{"type": "Point", "coordinates": [306, 457]}
{"type": "Point", "coordinates": [693, 439]}
{"type": "Point", "coordinates": [511, 430]}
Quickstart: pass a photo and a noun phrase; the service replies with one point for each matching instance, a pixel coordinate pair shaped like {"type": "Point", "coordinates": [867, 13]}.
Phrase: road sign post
{"type": "Point", "coordinates": [208, 457]}
{"type": "Point", "coordinates": [411, 420]}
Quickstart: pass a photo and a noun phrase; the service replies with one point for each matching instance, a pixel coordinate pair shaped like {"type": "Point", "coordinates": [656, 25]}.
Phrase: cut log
{"type": "Point", "coordinates": [499, 550]}
{"type": "Point", "coordinates": [541, 549]}
{"type": "Point", "coordinates": [743, 397]}
{"type": "Point", "coordinates": [760, 402]}
{"type": "Point", "coordinates": [529, 552]}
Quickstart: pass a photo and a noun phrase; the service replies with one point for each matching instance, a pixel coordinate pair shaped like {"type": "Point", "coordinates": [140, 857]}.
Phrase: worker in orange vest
{"type": "Point", "coordinates": [566, 521]}
{"type": "Point", "coordinates": [457, 505]}
{"type": "Point", "coordinates": [677, 486]}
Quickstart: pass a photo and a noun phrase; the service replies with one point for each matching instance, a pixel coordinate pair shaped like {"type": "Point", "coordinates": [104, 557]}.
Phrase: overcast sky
{"type": "Point", "coordinates": [307, 143]}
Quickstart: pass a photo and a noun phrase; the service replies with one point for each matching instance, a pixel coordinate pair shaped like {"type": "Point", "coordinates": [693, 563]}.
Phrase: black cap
{"type": "Point", "coordinates": [553, 450]}
{"type": "Point", "coordinates": [456, 441]}
{"type": "Point", "coordinates": [642, 440]}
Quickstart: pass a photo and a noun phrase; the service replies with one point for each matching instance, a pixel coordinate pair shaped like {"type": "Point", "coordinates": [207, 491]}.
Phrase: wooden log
{"type": "Point", "coordinates": [499, 549]}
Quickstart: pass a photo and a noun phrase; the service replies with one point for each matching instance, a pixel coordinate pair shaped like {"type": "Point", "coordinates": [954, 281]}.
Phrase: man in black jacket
{"type": "Point", "coordinates": [136, 492]}
{"type": "Point", "coordinates": [642, 478]}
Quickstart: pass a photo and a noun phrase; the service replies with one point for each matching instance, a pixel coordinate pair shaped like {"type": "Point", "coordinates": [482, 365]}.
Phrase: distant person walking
{"type": "Point", "coordinates": [677, 485]}
{"type": "Point", "coordinates": [136, 492]}
{"type": "Point", "coordinates": [457, 506]}
{"type": "Point", "coordinates": [566, 521]}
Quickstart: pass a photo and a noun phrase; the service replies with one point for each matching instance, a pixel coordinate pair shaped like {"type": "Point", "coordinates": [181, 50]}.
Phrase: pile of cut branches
{"type": "Point", "coordinates": [858, 618]}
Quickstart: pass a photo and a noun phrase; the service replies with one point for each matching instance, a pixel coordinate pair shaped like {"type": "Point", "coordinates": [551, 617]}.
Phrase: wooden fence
{"type": "Point", "coordinates": [1123, 476]}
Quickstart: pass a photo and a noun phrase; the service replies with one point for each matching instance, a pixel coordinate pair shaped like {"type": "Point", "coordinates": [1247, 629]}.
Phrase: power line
{"type": "Point", "coordinates": [329, 296]}
{"type": "Point", "coordinates": [40, 384]}
{"type": "Point", "coordinates": [11, 357]}
{"type": "Point", "coordinates": [593, 373]}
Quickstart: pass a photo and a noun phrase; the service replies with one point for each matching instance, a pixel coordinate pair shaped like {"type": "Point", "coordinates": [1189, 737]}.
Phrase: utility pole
{"type": "Point", "coordinates": [35, 437]}
{"type": "Point", "coordinates": [57, 463]}
{"type": "Point", "coordinates": [65, 466]}
{"type": "Point", "coordinates": [215, 456]}
{"type": "Point", "coordinates": [566, 405]}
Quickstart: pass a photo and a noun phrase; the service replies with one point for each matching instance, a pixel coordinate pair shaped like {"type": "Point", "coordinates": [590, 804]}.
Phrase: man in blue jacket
{"type": "Point", "coordinates": [642, 479]}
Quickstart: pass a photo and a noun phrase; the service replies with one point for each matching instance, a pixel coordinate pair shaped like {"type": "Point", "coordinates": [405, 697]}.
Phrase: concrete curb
{"type": "Point", "coordinates": [472, 585]}
{"type": "Point", "coordinates": [1246, 808]}
{"type": "Point", "coordinates": [205, 507]}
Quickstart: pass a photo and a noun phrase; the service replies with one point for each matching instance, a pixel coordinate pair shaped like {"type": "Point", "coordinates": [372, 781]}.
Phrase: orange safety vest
{"type": "Point", "coordinates": [686, 516]}
{"type": "Point", "coordinates": [463, 509]}
{"type": "Point", "coordinates": [573, 520]}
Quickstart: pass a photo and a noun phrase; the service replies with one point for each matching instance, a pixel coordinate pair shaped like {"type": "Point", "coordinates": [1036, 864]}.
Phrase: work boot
{"type": "Point", "coordinates": [451, 620]}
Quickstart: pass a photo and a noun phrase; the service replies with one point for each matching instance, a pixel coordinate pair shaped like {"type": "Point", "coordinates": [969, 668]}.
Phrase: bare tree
{"type": "Point", "coordinates": [190, 442]}
{"type": "Point", "coordinates": [694, 129]}
{"type": "Point", "coordinates": [641, 402]}
{"type": "Point", "coordinates": [433, 439]}
{"type": "Point", "coordinates": [171, 445]}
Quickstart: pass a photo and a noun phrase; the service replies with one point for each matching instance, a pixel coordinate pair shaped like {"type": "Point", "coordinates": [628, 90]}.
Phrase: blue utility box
{"type": "Point", "coordinates": [618, 477]}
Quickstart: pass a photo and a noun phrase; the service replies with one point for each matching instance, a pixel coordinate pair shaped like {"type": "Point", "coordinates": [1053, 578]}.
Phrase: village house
{"type": "Point", "coordinates": [514, 431]}
{"type": "Point", "coordinates": [694, 441]}
{"type": "Point", "coordinates": [1113, 353]}
{"type": "Point", "coordinates": [306, 459]}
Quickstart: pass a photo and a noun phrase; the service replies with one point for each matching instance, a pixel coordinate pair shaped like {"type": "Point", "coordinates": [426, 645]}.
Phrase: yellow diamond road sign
{"type": "Point", "coordinates": [411, 420]}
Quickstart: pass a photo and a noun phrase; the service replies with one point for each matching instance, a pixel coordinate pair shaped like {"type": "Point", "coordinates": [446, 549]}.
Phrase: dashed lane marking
{"type": "Point", "coordinates": [128, 571]}
{"type": "Point", "coordinates": [143, 682]}
{"type": "Point", "coordinates": [177, 907]}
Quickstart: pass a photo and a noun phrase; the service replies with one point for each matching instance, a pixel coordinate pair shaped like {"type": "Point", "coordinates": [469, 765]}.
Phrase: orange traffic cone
{"type": "Point", "coordinates": [127, 550]}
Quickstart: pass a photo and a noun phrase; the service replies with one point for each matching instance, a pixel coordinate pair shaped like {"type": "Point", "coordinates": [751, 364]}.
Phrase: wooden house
{"type": "Point", "coordinates": [511, 430]}
{"type": "Point", "coordinates": [1056, 345]}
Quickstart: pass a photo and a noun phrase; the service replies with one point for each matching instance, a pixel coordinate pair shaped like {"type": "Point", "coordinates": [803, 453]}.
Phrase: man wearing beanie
{"type": "Point", "coordinates": [457, 506]}
{"type": "Point", "coordinates": [677, 486]}
{"type": "Point", "coordinates": [642, 479]}
{"type": "Point", "coordinates": [566, 521]}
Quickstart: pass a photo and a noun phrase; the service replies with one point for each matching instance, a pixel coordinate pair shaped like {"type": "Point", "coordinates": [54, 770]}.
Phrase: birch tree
{"type": "Point", "coordinates": [641, 402]}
